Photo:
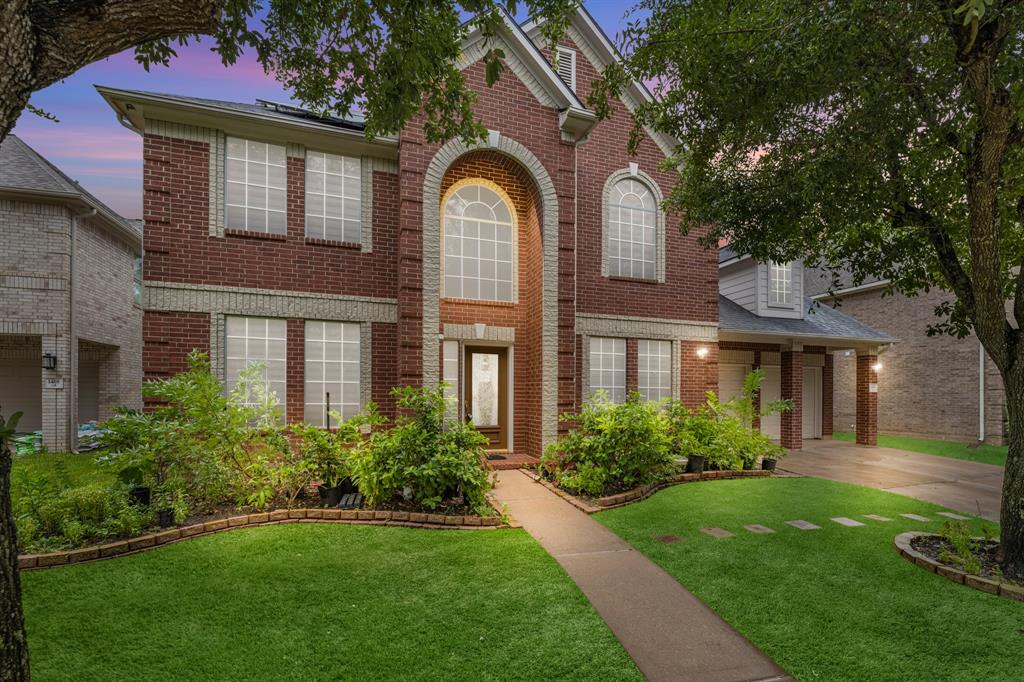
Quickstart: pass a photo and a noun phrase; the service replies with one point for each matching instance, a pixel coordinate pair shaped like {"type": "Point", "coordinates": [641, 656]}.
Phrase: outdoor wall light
{"type": "Point", "coordinates": [702, 352]}
{"type": "Point", "coordinates": [877, 367]}
{"type": "Point", "coordinates": [49, 361]}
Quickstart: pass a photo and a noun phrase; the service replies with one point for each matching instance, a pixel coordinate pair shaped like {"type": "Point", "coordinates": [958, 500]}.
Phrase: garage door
{"type": "Point", "coordinates": [812, 402]}
{"type": "Point", "coordinates": [21, 391]}
{"type": "Point", "coordinates": [771, 389]}
{"type": "Point", "coordinates": [730, 380]}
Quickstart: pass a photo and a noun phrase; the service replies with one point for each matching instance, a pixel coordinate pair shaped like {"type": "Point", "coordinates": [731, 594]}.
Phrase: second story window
{"type": "Point", "coordinates": [333, 197]}
{"type": "Point", "coordinates": [256, 192]}
{"type": "Point", "coordinates": [780, 284]}
{"type": "Point", "coordinates": [633, 215]}
{"type": "Point", "coordinates": [479, 244]}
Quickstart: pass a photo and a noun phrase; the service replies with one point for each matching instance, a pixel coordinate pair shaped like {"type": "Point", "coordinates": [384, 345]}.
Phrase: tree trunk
{"type": "Point", "coordinates": [1011, 517]}
{"type": "Point", "coordinates": [17, 50]}
{"type": "Point", "coordinates": [13, 645]}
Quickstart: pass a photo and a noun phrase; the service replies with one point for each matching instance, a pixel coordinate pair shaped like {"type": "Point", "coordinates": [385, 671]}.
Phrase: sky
{"type": "Point", "coordinates": [88, 143]}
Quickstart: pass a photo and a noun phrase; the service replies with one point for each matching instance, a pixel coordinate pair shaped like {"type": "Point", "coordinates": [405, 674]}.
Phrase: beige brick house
{"type": "Point", "coordinates": [70, 287]}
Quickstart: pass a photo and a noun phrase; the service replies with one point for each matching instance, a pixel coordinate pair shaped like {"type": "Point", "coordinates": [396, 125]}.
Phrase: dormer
{"type": "Point", "coordinates": [765, 289]}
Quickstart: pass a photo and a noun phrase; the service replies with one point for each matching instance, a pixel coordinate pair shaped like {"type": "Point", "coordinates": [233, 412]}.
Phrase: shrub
{"type": "Point", "coordinates": [611, 446]}
{"type": "Point", "coordinates": [425, 458]}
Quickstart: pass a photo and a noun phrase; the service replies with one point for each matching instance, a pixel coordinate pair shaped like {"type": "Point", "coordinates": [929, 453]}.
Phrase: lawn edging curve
{"type": "Point", "coordinates": [1000, 588]}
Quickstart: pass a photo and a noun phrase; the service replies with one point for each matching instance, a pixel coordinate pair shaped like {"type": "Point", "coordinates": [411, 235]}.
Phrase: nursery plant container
{"type": "Point", "coordinates": [331, 497]}
{"type": "Point", "coordinates": [165, 517]}
{"type": "Point", "coordinates": [140, 495]}
{"type": "Point", "coordinates": [695, 464]}
{"type": "Point", "coordinates": [347, 486]}
{"type": "Point", "coordinates": [768, 463]}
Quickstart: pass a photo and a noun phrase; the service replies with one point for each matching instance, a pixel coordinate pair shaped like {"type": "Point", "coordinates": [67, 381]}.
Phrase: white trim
{"type": "Point", "coordinates": [851, 290]}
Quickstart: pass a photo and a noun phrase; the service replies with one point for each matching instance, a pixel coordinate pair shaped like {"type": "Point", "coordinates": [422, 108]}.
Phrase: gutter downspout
{"type": "Point", "coordinates": [981, 393]}
{"type": "Point", "coordinates": [72, 395]}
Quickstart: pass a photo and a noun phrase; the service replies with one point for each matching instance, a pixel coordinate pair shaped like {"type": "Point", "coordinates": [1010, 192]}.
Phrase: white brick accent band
{"type": "Point", "coordinates": [645, 328]}
{"type": "Point", "coordinates": [467, 332]}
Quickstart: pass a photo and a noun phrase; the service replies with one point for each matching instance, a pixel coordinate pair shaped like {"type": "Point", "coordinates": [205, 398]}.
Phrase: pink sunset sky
{"type": "Point", "coordinates": [90, 145]}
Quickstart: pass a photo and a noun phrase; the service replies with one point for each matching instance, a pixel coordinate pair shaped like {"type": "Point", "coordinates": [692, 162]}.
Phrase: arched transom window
{"type": "Point", "coordinates": [633, 216]}
{"type": "Point", "coordinates": [479, 243]}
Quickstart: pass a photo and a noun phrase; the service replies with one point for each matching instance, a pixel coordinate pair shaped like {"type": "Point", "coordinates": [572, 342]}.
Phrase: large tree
{"type": "Point", "coordinates": [884, 138]}
{"type": "Point", "coordinates": [387, 58]}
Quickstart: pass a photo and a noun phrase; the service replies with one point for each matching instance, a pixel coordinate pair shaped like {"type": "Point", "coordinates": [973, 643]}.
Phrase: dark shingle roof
{"type": "Point", "coordinates": [725, 254]}
{"type": "Point", "coordinates": [820, 322]}
{"type": "Point", "coordinates": [23, 169]}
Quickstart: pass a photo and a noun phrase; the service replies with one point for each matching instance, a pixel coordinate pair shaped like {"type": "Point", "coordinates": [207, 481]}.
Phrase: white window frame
{"type": "Point", "coordinates": [262, 339]}
{"type": "Point", "coordinates": [654, 369]}
{"type": "Point", "coordinates": [622, 226]}
{"type": "Point", "coordinates": [607, 367]}
{"type": "Point", "coordinates": [569, 53]}
{"type": "Point", "coordinates": [457, 261]}
{"type": "Point", "coordinates": [323, 205]}
{"type": "Point", "coordinates": [271, 190]}
{"type": "Point", "coordinates": [780, 284]}
{"type": "Point", "coordinates": [333, 358]}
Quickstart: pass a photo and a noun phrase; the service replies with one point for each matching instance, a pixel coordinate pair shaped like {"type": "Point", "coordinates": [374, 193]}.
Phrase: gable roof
{"type": "Point", "coordinates": [821, 322]}
{"type": "Point", "coordinates": [24, 171]}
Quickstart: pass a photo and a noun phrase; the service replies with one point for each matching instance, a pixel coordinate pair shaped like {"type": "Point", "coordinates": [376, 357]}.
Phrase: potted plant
{"type": "Point", "coordinates": [771, 454]}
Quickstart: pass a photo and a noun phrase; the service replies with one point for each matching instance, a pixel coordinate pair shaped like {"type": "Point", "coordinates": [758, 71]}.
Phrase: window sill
{"type": "Point", "coordinates": [253, 234]}
{"type": "Point", "coordinates": [335, 244]}
{"type": "Point", "coordinates": [474, 301]}
{"type": "Point", "coordinates": [638, 280]}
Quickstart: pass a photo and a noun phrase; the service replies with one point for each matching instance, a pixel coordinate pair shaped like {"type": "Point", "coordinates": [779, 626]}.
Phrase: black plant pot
{"type": "Point", "coordinates": [768, 463]}
{"type": "Point", "coordinates": [165, 517]}
{"type": "Point", "coordinates": [347, 486]}
{"type": "Point", "coordinates": [140, 495]}
{"type": "Point", "coordinates": [695, 464]}
{"type": "Point", "coordinates": [331, 497]}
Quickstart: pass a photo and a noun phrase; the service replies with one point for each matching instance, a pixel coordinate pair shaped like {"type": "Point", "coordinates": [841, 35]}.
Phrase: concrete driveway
{"type": "Point", "coordinates": [967, 487]}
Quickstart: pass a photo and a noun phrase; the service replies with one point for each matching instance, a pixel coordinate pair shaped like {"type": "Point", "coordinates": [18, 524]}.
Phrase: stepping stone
{"type": "Point", "coordinates": [876, 517]}
{"type": "Point", "coordinates": [759, 529]}
{"type": "Point", "coordinates": [716, 532]}
{"type": "Point", "coordinates": [843, 521]}
{"type": "Point", "coordinates": [958, 517]}
{"type": "Point", "coordinates": [669, 539]}
{"type": "Point", "coordinates": [915, 517]}
{"type": "Point", "coordinates": [803, 525]}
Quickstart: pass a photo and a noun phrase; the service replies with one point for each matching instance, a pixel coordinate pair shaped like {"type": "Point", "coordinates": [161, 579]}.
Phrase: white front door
{"type": "Point", "coordinates": [812, 402]}
{"type": "Point", "coordinates": [771, 389]}
{"type": "Point", "coordinates": [730, 381]}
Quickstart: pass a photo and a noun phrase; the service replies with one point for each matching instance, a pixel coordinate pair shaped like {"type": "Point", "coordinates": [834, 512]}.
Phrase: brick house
{"type": "Point", "coordinates": [526, 271]}
{"type": "Point", "coordinates": [973, 402]}
{"type": "Point", "coordinates": [70, 305]}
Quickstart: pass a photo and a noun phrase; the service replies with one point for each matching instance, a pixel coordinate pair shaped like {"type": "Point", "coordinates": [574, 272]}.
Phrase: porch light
{"type": "Point", "coordinates": [702, 352]}
{"type": "Point", "coordinates": [49, 361]}
{"type": "Point", "coordinates": [877, 367]}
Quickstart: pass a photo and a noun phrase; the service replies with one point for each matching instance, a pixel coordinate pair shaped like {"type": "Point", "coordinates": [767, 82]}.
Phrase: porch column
{"type": "Point", "coordinates": [827, 391]}
{"type": "Point", "coordinates": [792, 422]}
{"type": "Point", "coordinates": [58, 394]}
{"type": "Point", "coordinates": [867, 397]}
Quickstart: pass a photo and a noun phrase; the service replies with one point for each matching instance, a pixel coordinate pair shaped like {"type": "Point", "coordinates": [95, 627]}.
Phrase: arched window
{"type": "Point", "coordinates": [632, 234]}
{"type": "Point", "coordinates": [479, 243]}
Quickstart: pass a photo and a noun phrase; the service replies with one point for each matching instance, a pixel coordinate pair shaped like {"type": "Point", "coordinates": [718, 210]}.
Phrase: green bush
{"type": "Point", "coordinates": [425, 459]}
{"type": "Point", "coordinates": [612, 446]}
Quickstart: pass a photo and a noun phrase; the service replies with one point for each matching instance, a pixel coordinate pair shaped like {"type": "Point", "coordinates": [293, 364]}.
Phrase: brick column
{"type": "Point", "coordinates": [826, 397]}
{"type": "Point", "coordinates": [295, 410]}
{"type": "Point", "coordinates": [867, 399]}
{"type": "Point", "coordinates": [792, 422]}
{"type": "Point", "coordinates": [632, 369]}
{"type": "Point", "coordinates": [757, 396]}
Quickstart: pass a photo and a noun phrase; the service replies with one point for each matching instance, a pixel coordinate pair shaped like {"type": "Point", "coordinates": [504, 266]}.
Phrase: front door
{"type": "Point", "coordinates": [486, 393]}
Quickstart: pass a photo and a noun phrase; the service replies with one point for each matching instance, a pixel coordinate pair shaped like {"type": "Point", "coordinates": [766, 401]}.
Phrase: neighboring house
{"type": "Point", "coordinates": [526, 272]}
{"type": "Point", "coordinates": [70, 310]}
{"type": "Point", "coordinates": [963, 401]}
{"type": "Point", "coordinates": [767, 321]}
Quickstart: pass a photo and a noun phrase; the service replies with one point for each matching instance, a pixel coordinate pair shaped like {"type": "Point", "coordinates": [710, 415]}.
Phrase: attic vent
{"type": "Point", "coordinates": [565, 62]}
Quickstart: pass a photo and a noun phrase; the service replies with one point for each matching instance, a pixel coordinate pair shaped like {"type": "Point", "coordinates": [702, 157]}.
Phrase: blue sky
{"type": "Point", "coordinates": [92, 147]}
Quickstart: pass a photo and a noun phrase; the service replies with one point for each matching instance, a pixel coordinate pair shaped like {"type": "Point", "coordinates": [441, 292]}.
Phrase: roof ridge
{"type": "Point", "coordinates": [46, 165]}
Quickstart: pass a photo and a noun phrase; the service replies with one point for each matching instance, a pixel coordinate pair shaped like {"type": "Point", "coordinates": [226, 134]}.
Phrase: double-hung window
{"type": "Point", "coordinates": [608, 367]}
{"type": "Point", "coordinates": [333, 197]}
{"type": "Point", "coordinates": [332, 371]}
{"type": "Point", "coordinates": [654, 369]}
{"type": "Point", "coordinates": [256, 194]}
{"type": "Point", "coordinates": [780, 284]}
{"type": "Point", "coordinates": [258, 340]}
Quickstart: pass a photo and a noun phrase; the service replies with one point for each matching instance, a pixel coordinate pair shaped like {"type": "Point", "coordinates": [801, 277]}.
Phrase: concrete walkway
{"type": "Point", "coordinates": [954, 483]}
{"type": "Point", "coordinates": [669, 633]}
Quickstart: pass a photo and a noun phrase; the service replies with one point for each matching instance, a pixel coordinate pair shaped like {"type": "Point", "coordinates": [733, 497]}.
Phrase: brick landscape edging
{"type": "Point", "coordinates": [369, 517]}
{"type": "Point", "coordinates": [999, 588]}
{"type": "Point", "coordinates": [642, 492]}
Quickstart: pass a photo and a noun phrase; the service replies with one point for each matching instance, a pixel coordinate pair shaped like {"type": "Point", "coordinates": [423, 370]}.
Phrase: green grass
{"type": "Point", "coordinates": [832, 604]}
{"type": "Point", "coordinates": [317, 602]}
{"type": "Point", "coordinates": [986, 454]}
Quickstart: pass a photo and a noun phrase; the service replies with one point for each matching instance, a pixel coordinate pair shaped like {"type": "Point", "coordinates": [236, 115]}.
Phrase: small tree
{"type": "Point", "coordinates": [13, 644]}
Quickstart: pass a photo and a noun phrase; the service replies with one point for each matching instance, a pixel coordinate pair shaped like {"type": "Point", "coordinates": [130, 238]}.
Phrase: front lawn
{"type": "Point", "coordinates": [986, 454]}
{"type": "Point", "coordinates": [308, 602]}
{"type": "Point", "coordinates": [837, 603]}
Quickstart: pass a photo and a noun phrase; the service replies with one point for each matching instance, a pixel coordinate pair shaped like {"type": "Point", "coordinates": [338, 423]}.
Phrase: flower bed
{"type": "Point", "coordinates": [301, 515]}
{"type": "Point", "coordinates": [924, 549]}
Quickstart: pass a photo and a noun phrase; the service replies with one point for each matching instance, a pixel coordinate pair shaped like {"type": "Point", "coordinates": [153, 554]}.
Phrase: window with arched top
{"type": "Point", "coordinates": [632, 230]}
{"type": "Point", "coordinates": [479, 243]}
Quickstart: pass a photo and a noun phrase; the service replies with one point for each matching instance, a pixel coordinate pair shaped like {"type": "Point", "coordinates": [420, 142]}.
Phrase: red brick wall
{"type": "Point", "coordinates": [632, 365]}
{"type": "Point", "coordinates": [384, 346]}
{"type": "Point", "coordinates": [168, 338]}
{"type": "Point", "coordinates": [867, 402]}
{"type": "Point", "coordinates": [698, 375]}
{"type": "Point", "coordinates": [296, 371]}
{"type": "Point", "coordinates": [792, 423]}
{"type": "Point", "coordinates": [827, 393]}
